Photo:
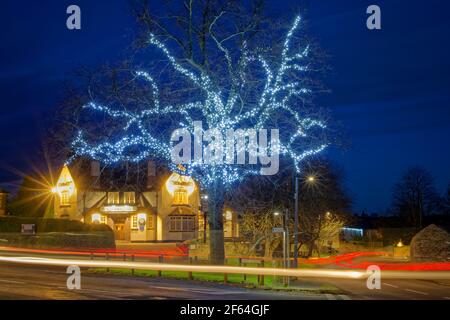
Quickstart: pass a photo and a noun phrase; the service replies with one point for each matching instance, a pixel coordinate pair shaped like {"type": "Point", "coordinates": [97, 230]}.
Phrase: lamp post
{"type": "Point", "coordinates": [310, 179]}
{"type": "Point", "coordinates": [287, 241]}
{"type": "Point", "coordinates": [283, 230]}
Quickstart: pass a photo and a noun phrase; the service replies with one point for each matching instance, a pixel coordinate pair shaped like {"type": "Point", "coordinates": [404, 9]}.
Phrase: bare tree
{"type": "Point", "coordinates": [415, 196]}
{"type": "Point", "coordinates": [323, 205]}
{"type": "Point", "coordinates": [256, 229]}
{"type": "Point", "coordinates": [256, 200]}
{"type": "Point", "coordinates": [447, 201]}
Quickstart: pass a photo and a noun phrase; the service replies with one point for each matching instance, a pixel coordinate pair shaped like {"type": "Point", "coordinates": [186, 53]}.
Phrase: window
{"type": "Point", "coordinates": [113, 198]}
{"type": "Point", "coordinates": [180, 196]}
{"type": "Point", "coordinates": [182, 223]}
{"type": "Point", "coordinates": [129, 197]}
{"type": "Point", "coordinates": [150, 221]}
{"type": "Point", "coordinates": [134, 222]}
{"type": "Point", "coordinates": [65, 198]}
{"type": "Point", "coordinates": [99, 218]}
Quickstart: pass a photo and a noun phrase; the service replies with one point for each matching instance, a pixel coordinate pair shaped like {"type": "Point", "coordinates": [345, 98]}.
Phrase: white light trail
{"type": "Point", "coordinates": [302, 273]}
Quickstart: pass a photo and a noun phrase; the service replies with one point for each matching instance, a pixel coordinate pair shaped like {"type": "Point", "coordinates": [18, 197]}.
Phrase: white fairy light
{"type": "Point", "coordinates": [215, 109]}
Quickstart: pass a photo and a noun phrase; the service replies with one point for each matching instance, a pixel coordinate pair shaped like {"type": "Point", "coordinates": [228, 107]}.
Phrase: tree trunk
{"type": "Point", "coordinates": [311, 248]}
{"type": "Point", "coordinates": [215, 221]}
{"type": "Point", "coordinates": [267, 247]}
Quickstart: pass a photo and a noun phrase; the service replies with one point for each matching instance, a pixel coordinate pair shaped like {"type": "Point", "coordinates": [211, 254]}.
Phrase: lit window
{"type": "Point", "coordinates": [65, 198]}
{"type": "Point", "coordinates": [134, 222]}
{"type": "Point", "coordinates": [182, 223]}
{"type": "Point", "coordinates": [129, 197]}
{"type": "Point", "coordinates": [150, 221]}
{"type": "Point", "coordinates": [141, 217]}
{"type": "Point", "coordinates": [180, 196]}
{"type": "Point", "coordinates": [99, 218]}
{"type": "Point", "coordinates": [113, 198]}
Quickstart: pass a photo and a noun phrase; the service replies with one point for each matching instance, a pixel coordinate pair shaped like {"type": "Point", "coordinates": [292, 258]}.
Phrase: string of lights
{"type": "Point", "coordinates": [216, 109]}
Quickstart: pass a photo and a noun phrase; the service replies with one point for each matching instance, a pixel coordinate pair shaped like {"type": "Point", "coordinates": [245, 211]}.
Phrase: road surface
{"type": "Point", "coordinates": [42, 282]}
{"type": "Point", "coordinates": [391, 289]}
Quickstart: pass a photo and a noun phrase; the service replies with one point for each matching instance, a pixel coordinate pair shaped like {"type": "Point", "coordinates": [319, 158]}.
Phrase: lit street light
{"type": "Point", "coordinates": [310, 179]}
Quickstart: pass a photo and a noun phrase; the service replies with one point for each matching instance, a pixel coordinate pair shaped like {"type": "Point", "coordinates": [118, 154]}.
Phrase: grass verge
{"type": "Point", "coordinates": [249, 281]}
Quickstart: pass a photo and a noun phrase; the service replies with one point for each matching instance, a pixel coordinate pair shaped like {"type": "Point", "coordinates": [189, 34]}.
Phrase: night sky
{"type": "Point", "coordinates": [390, 88]}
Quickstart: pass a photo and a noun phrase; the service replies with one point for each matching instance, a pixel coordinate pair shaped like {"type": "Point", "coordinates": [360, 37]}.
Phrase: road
{"type": "Point", "coordinates": [391, 289]}
{"type": "Point", "coordinates": [25, 280]}
{"type": "Point", "coordinates": [42, 282]}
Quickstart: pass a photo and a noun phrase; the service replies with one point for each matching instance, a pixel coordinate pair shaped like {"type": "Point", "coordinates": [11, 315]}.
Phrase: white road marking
{"type": "Point", "coordinates": [55, 272]}
{"type": "Point", "coordinates": [447, 298]}
{"type": "Point", "coordinates": [344, 297]}
{"type": "Point", "coordinates": [93, 290]}
{"type": "Point", "coordinates": [419, 292]}
{"type": "Point", "coordinates": [330, 296]}
{"type": "Point", "coordinates": [12, 281]}
{"type": "Point", "coordinates": [390, 285]}
{"type": "Point", "coordinates": [202, 291]}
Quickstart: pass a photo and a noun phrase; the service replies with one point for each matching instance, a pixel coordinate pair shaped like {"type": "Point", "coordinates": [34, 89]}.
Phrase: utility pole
{"type": "Point", "coordinates": [287, 246]}
{"type": "Point", "coordinates": [288, 243]}
{"type": "Point", "coordinates": [295, 264]}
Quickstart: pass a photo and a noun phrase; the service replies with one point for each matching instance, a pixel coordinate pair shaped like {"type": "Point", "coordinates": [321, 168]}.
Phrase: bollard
{"type": "Point", "coordinates": [190, 277]}
{"type": "Point", "coordinates": [225, 278]}
{"type": "Point", "coordinates": [107, 258]}
{"type": "Point", "coordinates": [124, 257]}
{"type": "Point", "coordinates": [160, 259]}
{"type": "Point", "coordinates": [132, 259]}
{"type": "Point", "coordinates": [240, 265]}
{"type": "Point", "coordinates": [261, 277]}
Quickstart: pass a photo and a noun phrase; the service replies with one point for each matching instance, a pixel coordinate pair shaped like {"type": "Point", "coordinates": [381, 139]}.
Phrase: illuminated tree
{"type": "Point", "coordinates": [245, 88]}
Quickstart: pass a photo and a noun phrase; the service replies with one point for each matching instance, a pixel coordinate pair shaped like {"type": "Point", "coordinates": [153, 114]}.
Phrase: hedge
{"type": "Point", "coordinates": [14, 224]}
{"type": "Point", "coordinates": [55, 233]}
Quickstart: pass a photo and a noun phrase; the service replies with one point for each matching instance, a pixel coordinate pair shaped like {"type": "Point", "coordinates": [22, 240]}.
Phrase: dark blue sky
{"type": "Point", "coordinates": [390, 88]}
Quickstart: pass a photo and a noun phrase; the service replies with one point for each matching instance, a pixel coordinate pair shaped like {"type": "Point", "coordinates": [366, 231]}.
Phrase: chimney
{"type": "Point", "coordinates": [151, 174]}
{"type": "Point", "coordinates": [95, 173]}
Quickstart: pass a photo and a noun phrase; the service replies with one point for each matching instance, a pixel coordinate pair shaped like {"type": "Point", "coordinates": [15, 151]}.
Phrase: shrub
{"type": "Point", "coordinates": [55, 233]}
{"type": "Point", "coordinates": [14, 224]}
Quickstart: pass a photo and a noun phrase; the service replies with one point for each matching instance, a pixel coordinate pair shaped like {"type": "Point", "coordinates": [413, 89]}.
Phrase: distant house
{"type": "Point", "coordinates": [167, 208]}
{"type": "Point", "coordinates": [350, 234]}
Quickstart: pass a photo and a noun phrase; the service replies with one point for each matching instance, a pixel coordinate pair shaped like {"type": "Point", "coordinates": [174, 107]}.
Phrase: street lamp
{"type": "Point", "coordinates": [309, 179]}
{"type": "Point", "coordinates": [276, 213]}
